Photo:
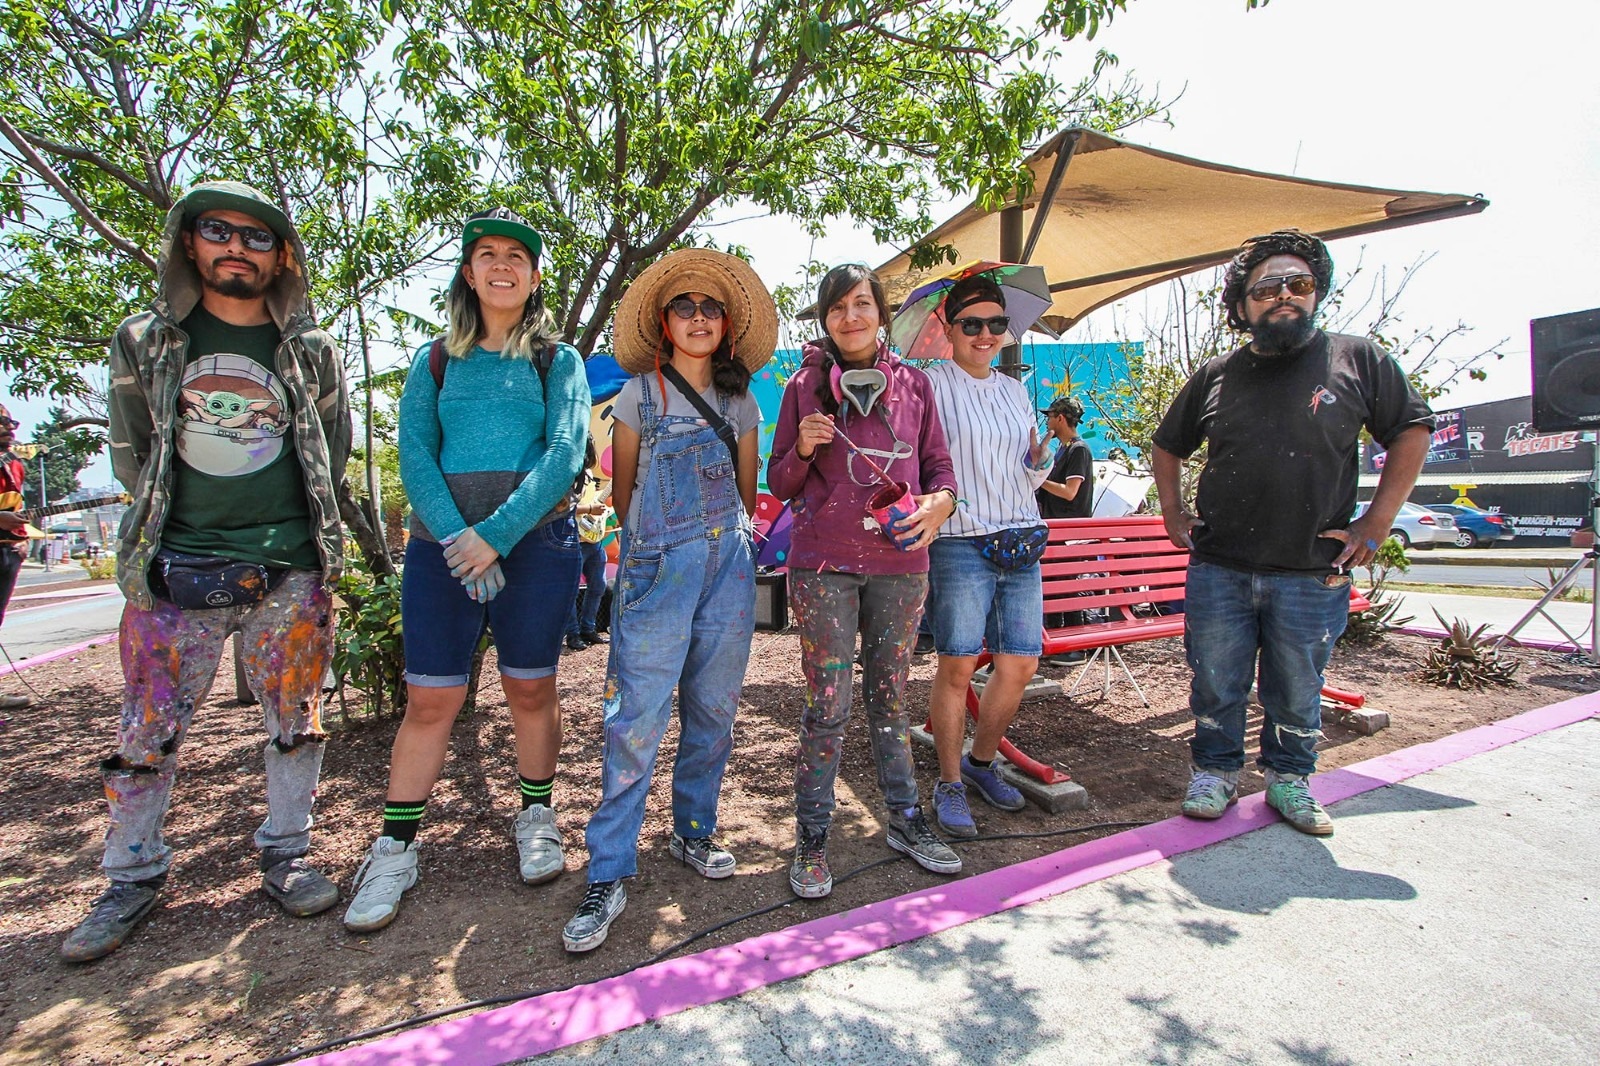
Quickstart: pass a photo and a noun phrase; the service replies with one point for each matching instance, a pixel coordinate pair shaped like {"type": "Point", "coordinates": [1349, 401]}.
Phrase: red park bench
{"type": "Point", "coordinates": [1130, 570]}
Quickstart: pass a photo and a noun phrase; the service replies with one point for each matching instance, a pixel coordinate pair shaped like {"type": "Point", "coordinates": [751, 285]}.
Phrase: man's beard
{"type": "Point", "coordinates": [238, 286]}
{"type": "Point", "coordinates": [1275, 334]}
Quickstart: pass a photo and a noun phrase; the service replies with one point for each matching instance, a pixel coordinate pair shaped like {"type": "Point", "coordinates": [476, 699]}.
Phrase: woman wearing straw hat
{"type": "Point", "coordinates": [493, 424]}
{"type": "Point", "coordinates": [693, 327]}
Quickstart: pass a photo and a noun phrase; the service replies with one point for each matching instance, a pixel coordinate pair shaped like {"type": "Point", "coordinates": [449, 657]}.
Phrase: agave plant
{"type": "Point", "coordinates": [1467, 658]}
{"type": "Point", "coordinates": [1372, 625]}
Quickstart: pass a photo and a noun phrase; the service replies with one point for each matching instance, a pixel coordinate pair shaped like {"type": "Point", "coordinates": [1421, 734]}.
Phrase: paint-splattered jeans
{"type": "Point", "coordinates": [169, 658]}
{"type": "Point", "coordinates": [683, 613]}
{"type": "Point", "coordinates": [830, 608]}
{"type": "Point", "coordinates": [1292, 622]}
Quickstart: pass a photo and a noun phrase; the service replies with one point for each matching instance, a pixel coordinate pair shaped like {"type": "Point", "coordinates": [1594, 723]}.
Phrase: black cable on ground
{"type": "Point", "coordinates": [517, 997]}
{"type": "Point", "coordinates": [16, 672]}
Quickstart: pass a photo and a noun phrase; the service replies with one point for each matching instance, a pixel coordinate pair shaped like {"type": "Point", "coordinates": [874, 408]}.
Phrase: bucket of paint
{"type": "Point", "coordinates": [890, 506]}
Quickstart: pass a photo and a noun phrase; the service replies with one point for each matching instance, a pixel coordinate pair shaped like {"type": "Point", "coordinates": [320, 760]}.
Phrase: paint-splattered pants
{"type": "Point", "coordinates": [169, 658]}
{"type": "Point", "coordinates": [1289, 622]}
{"type": "Point", "coordinates": [830, 608]}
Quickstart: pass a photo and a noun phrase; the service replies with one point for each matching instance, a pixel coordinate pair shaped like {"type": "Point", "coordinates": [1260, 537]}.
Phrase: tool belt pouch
{"type": "Point", "coordinates": [1016, 548]}
{"type": "Point", "coordinates": [206, 582]}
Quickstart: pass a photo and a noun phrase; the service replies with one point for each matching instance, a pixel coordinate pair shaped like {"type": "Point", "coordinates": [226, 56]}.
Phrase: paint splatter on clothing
{"type": "Point", "coordinates": [169, 659]}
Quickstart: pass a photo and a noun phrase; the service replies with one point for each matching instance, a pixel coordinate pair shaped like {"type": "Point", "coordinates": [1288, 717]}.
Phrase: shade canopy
{"type": "Point", "coordinates": [1107, 218]}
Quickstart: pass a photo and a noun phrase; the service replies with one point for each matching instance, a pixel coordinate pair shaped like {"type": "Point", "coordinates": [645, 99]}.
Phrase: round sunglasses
{"type": "Point", "coordinates": [998, 325]}
{"type": "Point", "coordinates": [685, 308]}
{"type": "Point", "coordinates": [217, 231]}
{"type": "Point", "coordinates": [1297, 284]}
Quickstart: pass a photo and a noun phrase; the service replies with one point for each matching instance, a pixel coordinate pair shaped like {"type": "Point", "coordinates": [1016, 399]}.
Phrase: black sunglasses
{"type": "Point", "coordinates": [1297, 284]}
{"type": "Point", "coordinates": [12, 422]}
{"type": "Point", "coordinates": [217, 231]}
{"type": "Point", "coordinates": [685, 308]}
{"type": "Point", "coordinates": [974, 326]}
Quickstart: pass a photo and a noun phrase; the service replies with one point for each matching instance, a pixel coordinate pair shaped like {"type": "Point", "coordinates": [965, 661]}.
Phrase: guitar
{"type": "Point", "coordinates": [12, 501]}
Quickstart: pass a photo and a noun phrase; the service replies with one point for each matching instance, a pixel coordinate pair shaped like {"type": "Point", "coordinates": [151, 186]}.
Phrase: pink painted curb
{"type": "Point", "coordinates": [560, 1019]}
{"type": "Point", "coordinates": [59, 653]}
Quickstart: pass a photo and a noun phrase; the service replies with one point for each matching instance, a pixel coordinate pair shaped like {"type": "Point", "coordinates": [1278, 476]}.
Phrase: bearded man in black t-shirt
{"type": "Point", "coordinates": [1271, 537]}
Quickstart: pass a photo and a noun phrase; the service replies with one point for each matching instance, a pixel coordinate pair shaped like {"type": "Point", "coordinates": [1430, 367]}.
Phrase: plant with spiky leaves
{"type": "Point", "coordinates": [1467, 658]}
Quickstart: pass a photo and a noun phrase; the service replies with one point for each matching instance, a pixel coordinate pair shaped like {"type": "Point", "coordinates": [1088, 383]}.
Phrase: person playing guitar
{"type": "Point", "coordinates": [13, 532]}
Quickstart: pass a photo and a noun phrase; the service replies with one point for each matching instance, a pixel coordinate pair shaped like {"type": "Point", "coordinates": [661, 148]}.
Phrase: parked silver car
{"type": "Point", "coordinates": [1418, 527]}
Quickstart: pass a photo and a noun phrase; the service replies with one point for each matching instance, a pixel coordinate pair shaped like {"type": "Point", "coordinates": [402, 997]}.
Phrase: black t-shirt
{"type": "Point", "coordinates": [1072, 460]}
{"type": "Point", "coordinates": [1284, 439]}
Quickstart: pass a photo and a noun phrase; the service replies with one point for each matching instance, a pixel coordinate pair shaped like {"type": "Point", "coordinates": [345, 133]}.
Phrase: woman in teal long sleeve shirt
{"type": "Point", "coordinates": [489, 448]}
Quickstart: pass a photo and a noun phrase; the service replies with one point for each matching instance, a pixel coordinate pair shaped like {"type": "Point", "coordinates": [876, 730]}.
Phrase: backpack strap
{"type": "Point", "coordinates": [438, 361]}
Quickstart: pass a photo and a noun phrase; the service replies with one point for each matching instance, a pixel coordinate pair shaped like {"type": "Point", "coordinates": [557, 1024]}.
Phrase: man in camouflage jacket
{"type": "Point", "coordinates": [230, 427]}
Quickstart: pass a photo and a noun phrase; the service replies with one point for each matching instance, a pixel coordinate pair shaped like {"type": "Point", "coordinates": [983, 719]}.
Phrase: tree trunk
{"type": "Point", "coordinates": [367, 539]}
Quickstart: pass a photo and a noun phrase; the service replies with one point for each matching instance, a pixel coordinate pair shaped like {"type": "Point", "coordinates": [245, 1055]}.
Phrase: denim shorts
{"type": "Point", "coordinates": [441, 623]}
{"type": "Point", "coordinates": [973, 603]}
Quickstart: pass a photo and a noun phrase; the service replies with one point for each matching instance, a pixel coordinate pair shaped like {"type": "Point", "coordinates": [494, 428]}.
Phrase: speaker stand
{"type": "Point", "coordinates": [1590, 562]}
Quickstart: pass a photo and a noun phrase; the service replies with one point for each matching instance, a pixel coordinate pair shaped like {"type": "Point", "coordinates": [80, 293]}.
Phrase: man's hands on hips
{"type": "Point", "coordinates": [1360, 541]}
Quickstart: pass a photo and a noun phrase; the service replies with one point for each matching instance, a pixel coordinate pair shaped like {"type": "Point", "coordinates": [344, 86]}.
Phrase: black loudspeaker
{"type": "Point", "coordinates": [1566, 371]}
{"type": "Point", "coordinates": [772, 602]}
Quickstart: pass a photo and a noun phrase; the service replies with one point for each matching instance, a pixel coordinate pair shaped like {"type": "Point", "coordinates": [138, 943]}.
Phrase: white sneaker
{"type": "Point", "coordinates": [388, 870]}
{"type": "Point", "coordinates": [538, 845]}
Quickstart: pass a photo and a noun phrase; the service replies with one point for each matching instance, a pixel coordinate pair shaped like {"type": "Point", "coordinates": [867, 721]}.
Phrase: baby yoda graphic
{"type": "Point", "coordinates": [233, 415]}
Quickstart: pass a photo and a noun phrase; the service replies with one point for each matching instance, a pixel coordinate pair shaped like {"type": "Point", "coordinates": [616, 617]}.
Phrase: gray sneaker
{"type": "Point", "coordinates": [809, 875]}
{"type": "Point", "coordinates": [538, 845]}
{"type": "Point", "coordinates": [389, 869]}
{"type": "Point", "coordinates": [298, 886]}
{"type": "Point", "coordinates": [1211, 793]}
{"type": "Point", "coordinates": [704, 854]}
{"type": "Point", "coordinates": [120, 908]}
{"type": "Point", "coordinates": [600, 906]}
{"type": "Point", "coordinates": [911, 835]}
{"type": "Point", "coordinates": [1290, 795]}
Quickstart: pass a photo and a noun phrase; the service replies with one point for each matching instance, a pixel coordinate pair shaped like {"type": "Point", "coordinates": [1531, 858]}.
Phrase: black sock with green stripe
{"type": "Point", "coordinates": [400, 820]}
{"type": "Point", "coordinates": [537, 791]}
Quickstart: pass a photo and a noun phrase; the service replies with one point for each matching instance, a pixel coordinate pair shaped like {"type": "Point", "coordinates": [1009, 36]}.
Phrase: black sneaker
{"type": "Point", "coordinates": [576, 642]}
{"type": "Point", "coordinates": [299, 887]}
{"type": "Point", "coordinates": [924, 644]}
{"type": "Point", "coordinates": [703, 854]}
{"type": "Point", "coordinates": [601, 904]}
{"type": "Point", "coordinates": [911, 835]}
{"type": "Point", "coordinates": [118, 911]}
{"type": "Point", "coordinates": [593, 636]}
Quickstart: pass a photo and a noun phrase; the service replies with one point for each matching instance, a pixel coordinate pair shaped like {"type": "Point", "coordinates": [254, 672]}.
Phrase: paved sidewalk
{"type": "Point", "coordinates": [1452, 918]}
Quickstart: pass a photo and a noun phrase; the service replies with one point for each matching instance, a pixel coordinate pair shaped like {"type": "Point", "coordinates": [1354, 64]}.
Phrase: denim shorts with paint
{"type": "Point", "coordinates": [973, 603]}
{"type": "Point", "coordinates": [441, 623]}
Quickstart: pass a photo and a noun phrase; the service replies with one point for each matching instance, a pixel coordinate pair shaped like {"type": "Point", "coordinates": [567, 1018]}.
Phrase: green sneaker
{"type": "Point", "coordinates": [1290, 796]}
{"type": "Point", "coordinates": [1211, 793]}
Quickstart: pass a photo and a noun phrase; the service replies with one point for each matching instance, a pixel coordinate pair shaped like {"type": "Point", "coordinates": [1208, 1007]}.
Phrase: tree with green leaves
{"type": "Point", "coordinates": [63, 451]}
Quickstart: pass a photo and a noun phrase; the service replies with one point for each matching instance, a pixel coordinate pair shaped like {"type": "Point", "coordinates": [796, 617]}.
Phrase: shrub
{"type": "Point", "coordinates": [368, 653]}
{"type": "Point", "coordinates": [101, 569]}
{"type": "Point", "coordinates": [1466, 658]}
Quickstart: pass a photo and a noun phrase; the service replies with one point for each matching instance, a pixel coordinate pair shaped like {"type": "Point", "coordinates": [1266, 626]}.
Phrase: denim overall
{"type": "Point", "coordinates": [683, 616]}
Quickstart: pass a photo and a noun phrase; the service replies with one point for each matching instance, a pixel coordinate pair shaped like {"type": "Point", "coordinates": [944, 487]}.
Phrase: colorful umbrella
{"type": "Point", "coordinates": [919, 333]}
{"type": "Point", "coordinates": [774, 522]}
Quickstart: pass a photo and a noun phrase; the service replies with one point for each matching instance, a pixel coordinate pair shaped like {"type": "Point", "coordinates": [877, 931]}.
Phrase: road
{"type": "Point", "coordinates": [39, 621]}
{"type": "Point", "coordinates": [1529, 577]}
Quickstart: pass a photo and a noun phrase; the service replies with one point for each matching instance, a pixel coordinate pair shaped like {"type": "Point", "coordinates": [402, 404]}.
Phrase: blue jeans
{"type": "Point", "coordinates": [1289, 621]}
{"type": "Point", "coordinates": [973, 603]}
{"type": "Point", "coordinates": [682, 616]}
{"type": "Point", "coordinates": [584, 614]}
{"type": "Point", "coordinates": [441, 623]}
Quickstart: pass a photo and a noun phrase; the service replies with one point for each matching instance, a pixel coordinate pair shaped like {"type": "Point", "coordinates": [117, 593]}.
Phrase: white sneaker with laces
{"type": "Point", "coordinates": [389, 869]}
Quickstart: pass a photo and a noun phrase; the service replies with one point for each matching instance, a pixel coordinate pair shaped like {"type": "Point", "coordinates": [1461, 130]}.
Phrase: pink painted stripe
{"type": "Point", "coordinates": [59, 653]}
{"type": "Point", "coordinates": [560, 1019]}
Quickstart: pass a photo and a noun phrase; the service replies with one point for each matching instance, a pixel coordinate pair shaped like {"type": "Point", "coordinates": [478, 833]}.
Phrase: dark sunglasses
{"type": "Point", "coordinates": [974, 326]}
{"type": "Point", "coordinates": [1297, 284]}
{"type": "Point", "coordinates": [217, 231]}
{"type": "Point", "coordinates": [12, 422]}
{"type": "Point", "coordinates": [685, 308]}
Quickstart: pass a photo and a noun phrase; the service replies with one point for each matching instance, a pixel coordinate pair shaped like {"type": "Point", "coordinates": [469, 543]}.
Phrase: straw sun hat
{"type": "Point", "coordinates": [729, 280]}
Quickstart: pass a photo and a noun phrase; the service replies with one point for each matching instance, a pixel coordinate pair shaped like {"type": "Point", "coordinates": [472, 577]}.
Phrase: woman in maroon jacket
{"type": "Point", "coordinates": [845, 575]}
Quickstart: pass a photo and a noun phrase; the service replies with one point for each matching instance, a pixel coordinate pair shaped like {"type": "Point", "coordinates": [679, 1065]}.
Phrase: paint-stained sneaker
{"type": "Point", "coordinates": [1290, 795]}
{"type": "Point", "coordinates": [120, 908]}
{"type": "Point", "coordinates": [389, 869]}
{"type": "Point", "coordinates": [951, 811]}
{"type": "Point", "coordinates": [1210, 794]}
{"type": "Point", "coordinates": [995, 790]}
{"type": "Point", "coordinates": [809, 875]}
{"type": "Point", "coordinates": [600, 906]}
{"type": "Point", "coordinates": [539, 854]}
{"type": "Point", "coordinates": [704, 854]}
{"type": "Point", "coordinates": [911, 835]}
{"type": "Point", "coordinates": [299, 887]}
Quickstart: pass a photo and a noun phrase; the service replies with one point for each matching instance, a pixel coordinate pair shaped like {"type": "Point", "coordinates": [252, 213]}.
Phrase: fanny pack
{"type": "Point", "coordinates": [1013, 549]}
{"type": "Point", "coordinates": [206, 582]}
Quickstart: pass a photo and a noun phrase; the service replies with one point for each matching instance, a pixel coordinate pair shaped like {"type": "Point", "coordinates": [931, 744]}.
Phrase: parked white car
{"type": "Point", "coordinates": [1418, 527]}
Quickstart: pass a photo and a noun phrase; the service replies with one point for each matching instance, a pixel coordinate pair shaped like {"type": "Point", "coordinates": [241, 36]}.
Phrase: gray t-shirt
{"type": "Point", "coordinates": [742, 413]}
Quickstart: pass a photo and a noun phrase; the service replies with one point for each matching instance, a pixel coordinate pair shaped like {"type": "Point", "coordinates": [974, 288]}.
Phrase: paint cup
{"type": "Point", "coordinates": [891, 505]}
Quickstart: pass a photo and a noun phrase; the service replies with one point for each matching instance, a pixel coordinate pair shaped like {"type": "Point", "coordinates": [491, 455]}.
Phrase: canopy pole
{"type": "Point", "coordinates": [1011, 252]}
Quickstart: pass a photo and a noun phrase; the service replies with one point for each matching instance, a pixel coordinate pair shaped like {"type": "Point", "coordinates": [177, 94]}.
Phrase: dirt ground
{"type": "Point", "coordinates": [218, 974]}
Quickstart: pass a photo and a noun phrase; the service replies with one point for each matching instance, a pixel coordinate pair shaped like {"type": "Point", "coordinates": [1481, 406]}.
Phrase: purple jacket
{"type": "Point", "coordinates": [829, 494]}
